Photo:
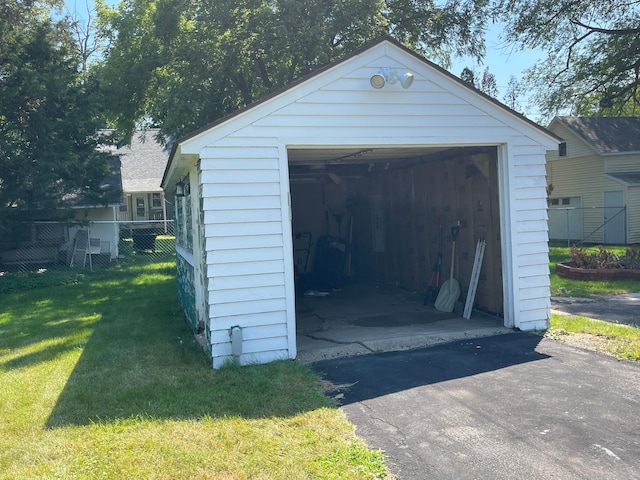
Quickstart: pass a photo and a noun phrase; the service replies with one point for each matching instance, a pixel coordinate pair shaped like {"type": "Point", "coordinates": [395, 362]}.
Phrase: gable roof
{"type": "Point", "coordinates": [606, 135]}
{"type": "Point", "coordinates": [319, 71]}
{"type": "Point", "coordinates": [143, 162]}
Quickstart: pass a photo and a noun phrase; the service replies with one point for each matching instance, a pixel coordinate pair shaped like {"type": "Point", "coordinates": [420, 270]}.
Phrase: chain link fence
{"type": "Point", "coordinates": [578, 225]}
{"type": "Point", "coordinates": [85, 246]}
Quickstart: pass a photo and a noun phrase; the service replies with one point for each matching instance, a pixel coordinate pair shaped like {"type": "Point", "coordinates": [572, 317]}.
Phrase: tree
{"type": "Point", "coordinates": [488, 83]}
{"type": "Point", "coordinates": [49, 115]}
{"type": "Point", "coordinates": [512, 95]}
{"type": "Point", "coordinates": [468, 76]}
{"type": "Point", "coordinates": [181, 64]}
{"type": "Point", "coordinates": [83, 30]}
{"type": "Point", "coordinates": [593, 64]}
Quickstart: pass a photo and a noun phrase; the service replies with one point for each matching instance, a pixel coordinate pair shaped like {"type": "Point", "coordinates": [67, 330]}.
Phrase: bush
{"type": "Point", "coordinates": [602, 258]}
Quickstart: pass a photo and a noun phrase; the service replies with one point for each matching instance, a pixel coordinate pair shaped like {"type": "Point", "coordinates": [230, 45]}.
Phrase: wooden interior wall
{"type": "Point", "coordinates": [421, 204]}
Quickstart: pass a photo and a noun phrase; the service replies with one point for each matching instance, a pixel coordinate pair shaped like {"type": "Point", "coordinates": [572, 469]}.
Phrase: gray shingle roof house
{"type": "Point", "coordinates": [594, 180]}
{"type": "Point", "coordinates": [142, 165]}
{"type": "Point", "coordinates": [135, 197]}
{"type": "Point", "coordinates": [606, 135]}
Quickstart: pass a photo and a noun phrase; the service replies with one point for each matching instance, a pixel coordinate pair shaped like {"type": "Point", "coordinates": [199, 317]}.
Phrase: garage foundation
{"type": "Point", "coordinates": [364, 318]}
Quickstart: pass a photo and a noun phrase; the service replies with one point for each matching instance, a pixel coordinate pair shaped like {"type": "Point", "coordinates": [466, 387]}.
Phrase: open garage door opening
{"type": "Point", "coordinates": [373, 226]}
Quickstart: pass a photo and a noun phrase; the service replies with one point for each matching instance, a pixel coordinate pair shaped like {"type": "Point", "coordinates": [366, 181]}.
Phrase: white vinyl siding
{"type": "Point", "coordinates": [249, 261]}
{"type": "Point", "coordinates": [531, 249]}
{"type": "Point", "coordinates": [244, 251]}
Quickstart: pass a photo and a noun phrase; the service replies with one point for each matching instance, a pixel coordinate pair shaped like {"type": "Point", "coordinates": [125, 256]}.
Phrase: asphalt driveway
{"type": "Point", "coordinates": [511, 406]}
{"type": "Point", "coordinates": [613, 308]}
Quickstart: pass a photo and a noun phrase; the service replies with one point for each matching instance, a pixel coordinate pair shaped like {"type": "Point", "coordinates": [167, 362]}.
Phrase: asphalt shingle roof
{"type": "Point", "coordinates": [143, 162]}
{"type": "Point", "coordinates": [626, 178]}
{"type": "Point", "coordinates": [607, 134]}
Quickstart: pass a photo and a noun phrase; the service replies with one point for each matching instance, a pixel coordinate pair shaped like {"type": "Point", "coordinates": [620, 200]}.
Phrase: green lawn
{"type": "Point", "coordinates": [101, 378]}
{"type": "Point", "coordinates": [620, 341]}
{"type": "Point", "coordinates": [582, 288]}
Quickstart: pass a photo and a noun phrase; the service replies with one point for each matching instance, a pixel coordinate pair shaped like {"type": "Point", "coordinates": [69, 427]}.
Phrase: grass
{"type": "Point", "coordinates": [586, 288]}
{"type": "Point", "coordinates": [101, 378]}
{"type": "Point", "coordinates": [620, 341]}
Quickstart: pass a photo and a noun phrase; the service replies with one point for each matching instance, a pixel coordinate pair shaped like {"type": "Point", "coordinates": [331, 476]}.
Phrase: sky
{"type": "Point", "coordinates": [503, 61]}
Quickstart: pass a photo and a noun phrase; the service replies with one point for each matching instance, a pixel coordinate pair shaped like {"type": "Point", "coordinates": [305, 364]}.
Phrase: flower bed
{"type": "Point", "coordinates": [600, 264]}
{"type": "Point", "coordinates": [574, 273]}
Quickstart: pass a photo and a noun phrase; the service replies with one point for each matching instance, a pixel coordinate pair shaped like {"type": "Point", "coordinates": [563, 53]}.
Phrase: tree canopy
{"type": "Point", "coordinates": [49, 114]}
{"type": "Point", "coordinates": [180, 64]}
{"type": "Point", "coordinates": [593, 46]}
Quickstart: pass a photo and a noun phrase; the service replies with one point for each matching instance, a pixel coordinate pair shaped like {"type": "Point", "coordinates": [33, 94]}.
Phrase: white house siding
{"type": "Point", "coordinates": [530, 224]}
{"type": "Point", "coordinates": [341, 112]}
{"type": "Point", "coordinates": [244, 242]}
{"type": "Point", "coordinates": [245, 187]}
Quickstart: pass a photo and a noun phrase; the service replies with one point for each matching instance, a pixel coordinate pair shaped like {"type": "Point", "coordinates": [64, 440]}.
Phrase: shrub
{"type": "Point", "coordinates": [601, 258]}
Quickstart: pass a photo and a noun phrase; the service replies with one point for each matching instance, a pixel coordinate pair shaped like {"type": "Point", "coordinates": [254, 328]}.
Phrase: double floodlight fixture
{"type": "Point", "coordinates": [385, 75]}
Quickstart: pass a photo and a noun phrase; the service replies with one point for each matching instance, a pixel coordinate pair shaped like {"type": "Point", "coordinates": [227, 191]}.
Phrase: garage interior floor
{"type": "Point", "coordinates": [362, 319]}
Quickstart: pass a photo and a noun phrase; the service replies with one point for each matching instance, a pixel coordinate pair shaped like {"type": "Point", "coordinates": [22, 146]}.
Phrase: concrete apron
{"type": "Point", "coordinates": [363, 319]}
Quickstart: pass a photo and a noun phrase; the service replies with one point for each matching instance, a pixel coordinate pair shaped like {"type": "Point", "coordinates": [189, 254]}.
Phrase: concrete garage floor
{"type": "Point", "coordinates": [364, 319]}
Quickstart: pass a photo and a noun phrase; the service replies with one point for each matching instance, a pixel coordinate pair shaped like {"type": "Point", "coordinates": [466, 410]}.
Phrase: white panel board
{"type": "Point", "coordinates": [247, 268]}
{"type": "Point", "coordinates": [246, 281]}
{"type": "Point", "coordinates": [241, 203]}
{"type": "Point", "coordinates": [243, 241]}
{"type": "Point", "coordinates": [242, 216]}
{"type": "Point", "coordinates": [239, 295]}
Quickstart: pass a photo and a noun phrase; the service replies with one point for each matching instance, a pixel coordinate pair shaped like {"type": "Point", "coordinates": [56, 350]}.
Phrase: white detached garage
{"type": "Point", "coordinates": [356, 173]}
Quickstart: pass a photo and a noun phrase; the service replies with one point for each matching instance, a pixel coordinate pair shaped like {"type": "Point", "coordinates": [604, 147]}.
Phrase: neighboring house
{"type": "Point", "coordinates": [594, 180]}
{"type": "Point", "coordinates": [138, 203]}
{"type": "Point", "coordinates": [52, 236]}
{"type": "Point", "coordinates": [375, 158]}
{"type": "Point", "coordinates": [143, 163]}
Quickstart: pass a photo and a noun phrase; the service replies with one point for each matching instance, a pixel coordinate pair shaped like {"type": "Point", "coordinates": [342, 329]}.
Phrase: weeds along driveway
{"type": "Point", "coordinates": [506, 407]}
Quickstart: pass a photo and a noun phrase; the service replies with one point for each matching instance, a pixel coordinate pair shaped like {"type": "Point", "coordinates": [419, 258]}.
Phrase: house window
{"type": "Point", "coordinates": [566, 201]}
{"type": "Point", "coordinates": [562, 149]}
{"type": "Point", "coordinates": [140, 210]}
{"type": "Point", "coordinates": [554, 201]}
{"type": "Point", "coordinates": [156, 200]}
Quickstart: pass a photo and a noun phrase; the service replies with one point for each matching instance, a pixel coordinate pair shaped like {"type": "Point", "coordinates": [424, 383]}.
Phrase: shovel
{"type": "Point", "coordinates": [450, 290]}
